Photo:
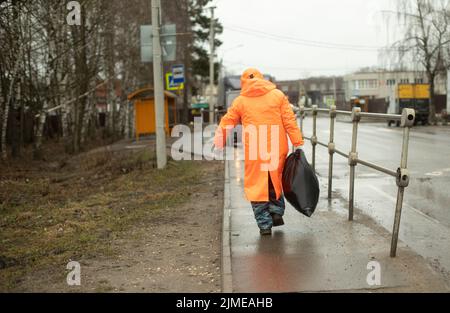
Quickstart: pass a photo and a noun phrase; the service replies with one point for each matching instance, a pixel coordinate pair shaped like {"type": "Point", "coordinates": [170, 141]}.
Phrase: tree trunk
{"type": "Point", "coordinates": [2, 105]}
{"type": "Point", "coordinates": [120, 128]}
{"type": "Point", "coordinates": [432, 117]}
{"type": "Point", "coordinates": [85, 123]}
{"type": "Point", "coordinates": [132, 121]}
{"type": "Point", "coordinates": [7, 106]}
{"type": "Point", "coordinates": [93, 122]}
{"type": "Point", "coordinates": [111, 86]}
{"type": "Point", "coordinates": [22, 127]}
{"type": "Point", "coordinates": [16, 126]}
{"type": "Point", "coordinates": [127, 120]}
{"type": "Point", "coordinates": [15, 134]}
{"type": "Point", "coordinates": [37, 152]}
{"type": "Point", "coordinates": [90, 104]}
{"type": "Point", "coordinates": [76, 128]}
{"type": "Point", "coordinates": [68, 119]}
{"type": "Point", "coordinates": [4, 127]}
{"type": "Point", "coordinates": [64, 118]}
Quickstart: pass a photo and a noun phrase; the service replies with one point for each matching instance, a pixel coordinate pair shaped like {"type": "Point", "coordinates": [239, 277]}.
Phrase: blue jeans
{"type": "Point", "coordinates": [264, 210]}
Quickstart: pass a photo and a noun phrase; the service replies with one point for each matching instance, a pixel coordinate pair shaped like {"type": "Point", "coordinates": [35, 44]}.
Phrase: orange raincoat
{"type": "Point", "coordinates": [262, 107]}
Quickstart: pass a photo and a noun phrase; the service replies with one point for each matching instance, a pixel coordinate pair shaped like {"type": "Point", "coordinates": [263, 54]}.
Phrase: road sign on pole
{"type": "Point", "coordinates": [178, 74]}
{"type": "Point", "coordinates": [168, 43]}
{"type": "Point", "coordinates": [171, 85]}
{"type": "Point", "coordinates": [330, 101]}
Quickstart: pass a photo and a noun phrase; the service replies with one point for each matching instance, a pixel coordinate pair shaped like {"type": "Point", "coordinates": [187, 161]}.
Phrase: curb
{"type": "Point", "coordinates": [227, 280]}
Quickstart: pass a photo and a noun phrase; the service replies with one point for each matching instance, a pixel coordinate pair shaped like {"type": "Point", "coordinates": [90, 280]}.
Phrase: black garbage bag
{"type": "Point", "coordinates": [300, 184]}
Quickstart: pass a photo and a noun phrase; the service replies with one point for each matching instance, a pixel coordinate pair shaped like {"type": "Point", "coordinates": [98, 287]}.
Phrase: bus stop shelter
{"type": "Point", "coordinates": [144, 111]}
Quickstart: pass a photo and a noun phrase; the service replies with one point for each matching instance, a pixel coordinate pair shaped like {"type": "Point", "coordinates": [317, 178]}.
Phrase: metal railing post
{"type": "Point", "coordinates": [302, 117]}
{"type": "Point", "coordinates": [314, 137]}
{"type": "Point", "coordinates": [202, 112]}
{"type": "Point", "coordinates": [402, 174]}
{"type": "Point", "coordinates": [353, 160]}
{"type": "Point", "coordinates": [407, 121]}
{"type": "Point", "coordinates": [331, 150]}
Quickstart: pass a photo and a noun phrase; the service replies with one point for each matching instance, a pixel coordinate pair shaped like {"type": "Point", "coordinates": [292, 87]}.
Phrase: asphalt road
{"type": "Point", "coordinates": [425, 223]}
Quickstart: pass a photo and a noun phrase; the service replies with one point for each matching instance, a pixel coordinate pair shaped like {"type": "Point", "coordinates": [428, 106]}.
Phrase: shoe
{"type": "Point", "coordinates": [277, 220]}
{"type": "Point", "coordinates": [265, 232]}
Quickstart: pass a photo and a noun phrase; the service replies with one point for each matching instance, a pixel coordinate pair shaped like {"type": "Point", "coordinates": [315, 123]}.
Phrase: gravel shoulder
{"type": "Point", "coordinates": [131, 227]}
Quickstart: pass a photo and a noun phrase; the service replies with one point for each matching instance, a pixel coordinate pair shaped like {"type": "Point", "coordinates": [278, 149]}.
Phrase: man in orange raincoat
{"type": "Point", "coordinates": [267, 119]}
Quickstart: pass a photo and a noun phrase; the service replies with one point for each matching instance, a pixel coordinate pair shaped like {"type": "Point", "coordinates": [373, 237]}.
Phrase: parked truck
{"type": "Point", "coordinates": [412, 96]}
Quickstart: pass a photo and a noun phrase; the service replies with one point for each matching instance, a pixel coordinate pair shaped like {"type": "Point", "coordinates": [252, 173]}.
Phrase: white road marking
{"type": "Point", "coordinates": [405, 205]}
{"type": "Point", "coordinates": [135, 147]}
{"type": "Point", "coordinates": [434, 174]}
{"type": "Point", "coordinates": [365, 130]}
{"type": "Point", "coordinates": [386, 130]}
{"type": "Point", "coordinates": [376, 130]}
{"type": "Point", "coordinates": [368, 175]}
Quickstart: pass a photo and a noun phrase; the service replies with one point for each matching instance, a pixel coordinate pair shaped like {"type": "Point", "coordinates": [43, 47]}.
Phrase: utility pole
{"type": "Point", "coordinates": [448, 92]}
{"type": "Point", "coordinates": [211, 68]}
{"type": "Point", "coordinates": [335, 91]}
{"type": "Point", "coordinates": [300, 90]}
{"type": "Point", "coordinates": [158, 82]}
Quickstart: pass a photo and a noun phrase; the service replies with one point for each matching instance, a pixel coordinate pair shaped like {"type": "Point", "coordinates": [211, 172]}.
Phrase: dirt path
{"type": "Point", "coordinates": [131, 228]}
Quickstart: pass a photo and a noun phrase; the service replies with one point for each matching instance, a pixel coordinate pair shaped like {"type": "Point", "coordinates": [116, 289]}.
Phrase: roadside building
{"type": "Point", "coordinates": [231, 84]}
{"type": "Point", "coordinates": [101, 97]}
{"type": "Point", "coordinates": [290, 89]}
{"type": "Point", "coordinates": [377, 88]}
{"type": "Point", "coordinates": [321, 91]}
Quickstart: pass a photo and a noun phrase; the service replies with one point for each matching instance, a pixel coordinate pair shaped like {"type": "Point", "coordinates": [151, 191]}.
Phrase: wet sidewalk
{"type": "Point", "coordinates": [325, 253]}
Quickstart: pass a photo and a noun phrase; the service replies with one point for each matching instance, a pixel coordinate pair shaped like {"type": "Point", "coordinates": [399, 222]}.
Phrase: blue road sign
{"type": "Point", "coordinates": [178, 74]}
{"type": "Point", "coordinates": [171, 85]}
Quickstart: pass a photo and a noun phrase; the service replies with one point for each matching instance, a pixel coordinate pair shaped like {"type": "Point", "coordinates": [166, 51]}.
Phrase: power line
{"type": "Point", "coordinates": [299, 69]}
{"type": "Point", "coordinates": [303, 42]}
{"type": "Point", "coordinates": [308, 41]}
{"type": "Point", "coordinates": [298, 41]}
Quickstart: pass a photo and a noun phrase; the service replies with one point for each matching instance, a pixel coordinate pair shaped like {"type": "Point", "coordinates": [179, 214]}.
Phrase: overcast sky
{"type": "Point", "coordinates": [291, 39]}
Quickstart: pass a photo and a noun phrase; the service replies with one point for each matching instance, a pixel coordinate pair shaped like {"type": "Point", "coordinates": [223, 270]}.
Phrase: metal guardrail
{"type": "Point", "coordinates": [401, 174]}
{"type": "Point", "coordinates": [217, 113]}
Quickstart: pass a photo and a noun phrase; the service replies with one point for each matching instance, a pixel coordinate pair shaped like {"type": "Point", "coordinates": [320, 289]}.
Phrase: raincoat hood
{"type": "Point", "coordinates": [254, 85]}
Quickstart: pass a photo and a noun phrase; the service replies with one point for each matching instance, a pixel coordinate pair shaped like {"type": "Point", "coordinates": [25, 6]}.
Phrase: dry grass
{"type": "Point", "coordinates": [51, 216]}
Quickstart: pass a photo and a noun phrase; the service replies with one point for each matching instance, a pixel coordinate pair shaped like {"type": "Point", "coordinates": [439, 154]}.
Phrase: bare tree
{"type": "Point", "coordinates": [12, 39]}
{"type": "Point", "coordinates": [426, 38]}
{"type": "Point", "coordinates": [61, 66]}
